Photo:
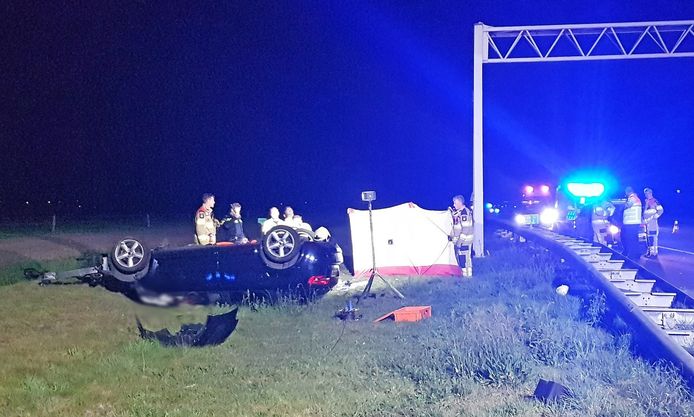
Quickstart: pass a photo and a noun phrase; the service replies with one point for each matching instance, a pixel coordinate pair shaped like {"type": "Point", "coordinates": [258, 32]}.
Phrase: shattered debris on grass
{"type": "Point", "coordinates": [214, 332]}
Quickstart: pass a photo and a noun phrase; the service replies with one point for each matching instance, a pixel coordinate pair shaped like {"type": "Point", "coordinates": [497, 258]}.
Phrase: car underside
{"type": "Point", "coordinates": [283, 260]}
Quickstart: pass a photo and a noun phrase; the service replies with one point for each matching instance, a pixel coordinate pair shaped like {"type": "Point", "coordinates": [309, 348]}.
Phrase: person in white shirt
{"type": "Point", "coordinates": [289, 217]}
{"type": "Point", "coordinates": [273, 221]}
{"type": "Point", "coordinates": [300, 224]}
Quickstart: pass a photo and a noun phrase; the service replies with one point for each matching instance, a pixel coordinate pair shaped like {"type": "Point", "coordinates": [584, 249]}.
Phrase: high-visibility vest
{"type": "Point", "coordinates": [466, 223]}
{"type": "Point", "coordinates": [205, 229]}
{"type": "Point", "coordinates": [652, 212]}
{"type": "Point", "coordinates": [632, 215]}
{"type": "Point", "coordinates": [463, 224]}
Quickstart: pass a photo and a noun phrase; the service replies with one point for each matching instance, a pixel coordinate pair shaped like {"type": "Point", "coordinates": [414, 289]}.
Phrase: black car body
{"type": "Point", "coordinates": [283, 260]}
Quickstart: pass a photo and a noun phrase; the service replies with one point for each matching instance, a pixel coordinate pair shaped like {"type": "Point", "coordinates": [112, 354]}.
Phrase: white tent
{"type": "Point", "coordinates": [409, 240]}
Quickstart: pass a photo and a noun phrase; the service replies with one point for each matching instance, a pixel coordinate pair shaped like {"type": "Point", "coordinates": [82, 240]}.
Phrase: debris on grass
{"type": "Point", "coordinates": [214, 332]}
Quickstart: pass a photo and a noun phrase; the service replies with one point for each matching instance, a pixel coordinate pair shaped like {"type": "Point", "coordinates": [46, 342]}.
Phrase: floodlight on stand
{"type": "Point", "coordinates": [369, 197]}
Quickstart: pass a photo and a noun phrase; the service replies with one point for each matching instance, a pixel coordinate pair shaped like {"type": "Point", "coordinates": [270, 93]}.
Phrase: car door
{"type": "Point", "coordinates": [189, 268]}
{"type": "Point", "coordinates": [241, 269]}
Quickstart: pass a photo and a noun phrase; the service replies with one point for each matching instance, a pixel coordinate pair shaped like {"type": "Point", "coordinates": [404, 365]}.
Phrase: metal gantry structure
{"type": "Point", "coordinates": [553, 43]}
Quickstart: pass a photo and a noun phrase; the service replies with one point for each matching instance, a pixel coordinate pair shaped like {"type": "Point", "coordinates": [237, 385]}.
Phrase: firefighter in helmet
{"type": "Point", "coordinates": [462, 234]}
{"type": "Point", "coordinates": [205, 223]}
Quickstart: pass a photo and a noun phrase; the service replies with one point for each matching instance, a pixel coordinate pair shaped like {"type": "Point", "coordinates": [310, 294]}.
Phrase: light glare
{"type": "Point", "coordinates": [520, 219]}
{"type": "Point", "coordinates": [549, 216]}
{"type": "Point", "coordinates": [594, 189]}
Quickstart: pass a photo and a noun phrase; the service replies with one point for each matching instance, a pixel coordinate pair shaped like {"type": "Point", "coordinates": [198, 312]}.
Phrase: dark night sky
{"type": "Point", "coordinates": [142, 105]}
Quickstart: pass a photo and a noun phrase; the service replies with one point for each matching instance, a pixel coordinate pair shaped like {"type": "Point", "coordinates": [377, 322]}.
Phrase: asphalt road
{"type": "Point", "coordinates": [675, 261]}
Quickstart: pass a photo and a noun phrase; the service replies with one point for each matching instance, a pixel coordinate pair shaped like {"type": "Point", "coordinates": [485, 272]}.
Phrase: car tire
{"type": "Point", "coordinates": [129, 256]}
{"type": "Point", "coordinates": [281, 244]}
{"type": "Point", "coordinates": [307, 235]}
{"type": "Point", "coordinates": [278, 266]}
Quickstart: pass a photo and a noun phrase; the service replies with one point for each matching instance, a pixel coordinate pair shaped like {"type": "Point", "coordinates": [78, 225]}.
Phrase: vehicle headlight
{"type": "Point", "coordinates": [613, 229]}
{"type": "Point", "coordinates": [520, 219]}
{"type": "Point", "coordinates": [549, 216]}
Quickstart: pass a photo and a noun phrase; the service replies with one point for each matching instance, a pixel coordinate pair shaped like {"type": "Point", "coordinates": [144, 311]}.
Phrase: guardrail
{"type": "Point", "coordinates": [639, 310]}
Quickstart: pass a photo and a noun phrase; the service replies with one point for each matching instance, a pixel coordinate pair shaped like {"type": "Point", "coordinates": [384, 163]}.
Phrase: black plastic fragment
{"type": "Point", "coordinates": [214, 332]}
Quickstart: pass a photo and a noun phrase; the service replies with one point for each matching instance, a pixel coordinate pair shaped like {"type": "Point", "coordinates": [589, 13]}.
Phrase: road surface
{"type": "Point", "coordinates": [675, 261]}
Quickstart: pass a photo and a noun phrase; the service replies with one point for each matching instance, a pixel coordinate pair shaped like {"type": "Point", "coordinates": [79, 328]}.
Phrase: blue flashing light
{"type": "Point", "coordinates": [586, 190]}
{"type": "Point", "coordinates": [488, 206]}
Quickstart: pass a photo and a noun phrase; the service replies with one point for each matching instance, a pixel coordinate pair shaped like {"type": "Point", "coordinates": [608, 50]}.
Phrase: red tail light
{"type": "Point", "coordinates": [319, 280]}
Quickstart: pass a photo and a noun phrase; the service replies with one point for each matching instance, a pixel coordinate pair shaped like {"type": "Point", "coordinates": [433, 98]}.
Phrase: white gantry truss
{"type": "Point", "coordinates": [552, 43]}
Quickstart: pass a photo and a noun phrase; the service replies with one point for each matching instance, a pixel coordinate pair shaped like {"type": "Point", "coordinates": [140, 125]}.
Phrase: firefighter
{"type": "Point", "coordinates": [631, 224]}
{"type": "Point", "coordinates": [601, 214]}
{"type": "Point", "coordinates": [462, 234]}
{"type": "Point", "coordinates": [205, 223]}
{"type": "Point", "coordinates": [652, 210]}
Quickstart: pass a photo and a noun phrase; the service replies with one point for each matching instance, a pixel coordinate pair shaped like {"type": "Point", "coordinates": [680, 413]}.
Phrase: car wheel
{"type": "Point", "coordinates": [278, 266]}
{"type": "Point", "coordinates": [129, 256]}
{"type": "Point", "coordinates": [281, 244]}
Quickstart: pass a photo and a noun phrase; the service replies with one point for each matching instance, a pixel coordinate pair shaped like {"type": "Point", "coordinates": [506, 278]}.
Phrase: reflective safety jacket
{"type": "Point", "coordinates": [205, 229]}
{"type": "Point", "coordinates": [462, 224]}
{"type": "Point", "coordinates": [652, 211]}
{"type": "Point", "coordinates": [632, 211]}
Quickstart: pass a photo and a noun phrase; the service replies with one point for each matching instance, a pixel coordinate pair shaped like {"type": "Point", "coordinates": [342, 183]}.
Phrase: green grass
{"type": "Point", "coordinates": [14, 273]}
{"type": "Point", "coordinates": [74, 351]}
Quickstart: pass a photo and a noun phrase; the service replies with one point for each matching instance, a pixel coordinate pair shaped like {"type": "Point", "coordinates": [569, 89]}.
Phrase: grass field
{"type": "Point", "coordinates": [74, 351]}
{"type": "Point", "coordinates": [14, 273]}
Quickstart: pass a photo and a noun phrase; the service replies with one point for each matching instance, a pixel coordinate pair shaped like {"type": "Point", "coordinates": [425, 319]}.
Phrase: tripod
{"type": "Point", "coordinates": [374, 272]}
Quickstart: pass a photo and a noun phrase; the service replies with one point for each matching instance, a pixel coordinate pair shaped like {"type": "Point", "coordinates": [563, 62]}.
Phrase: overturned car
{"type": "Point", "coordinates": [284, 259]}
